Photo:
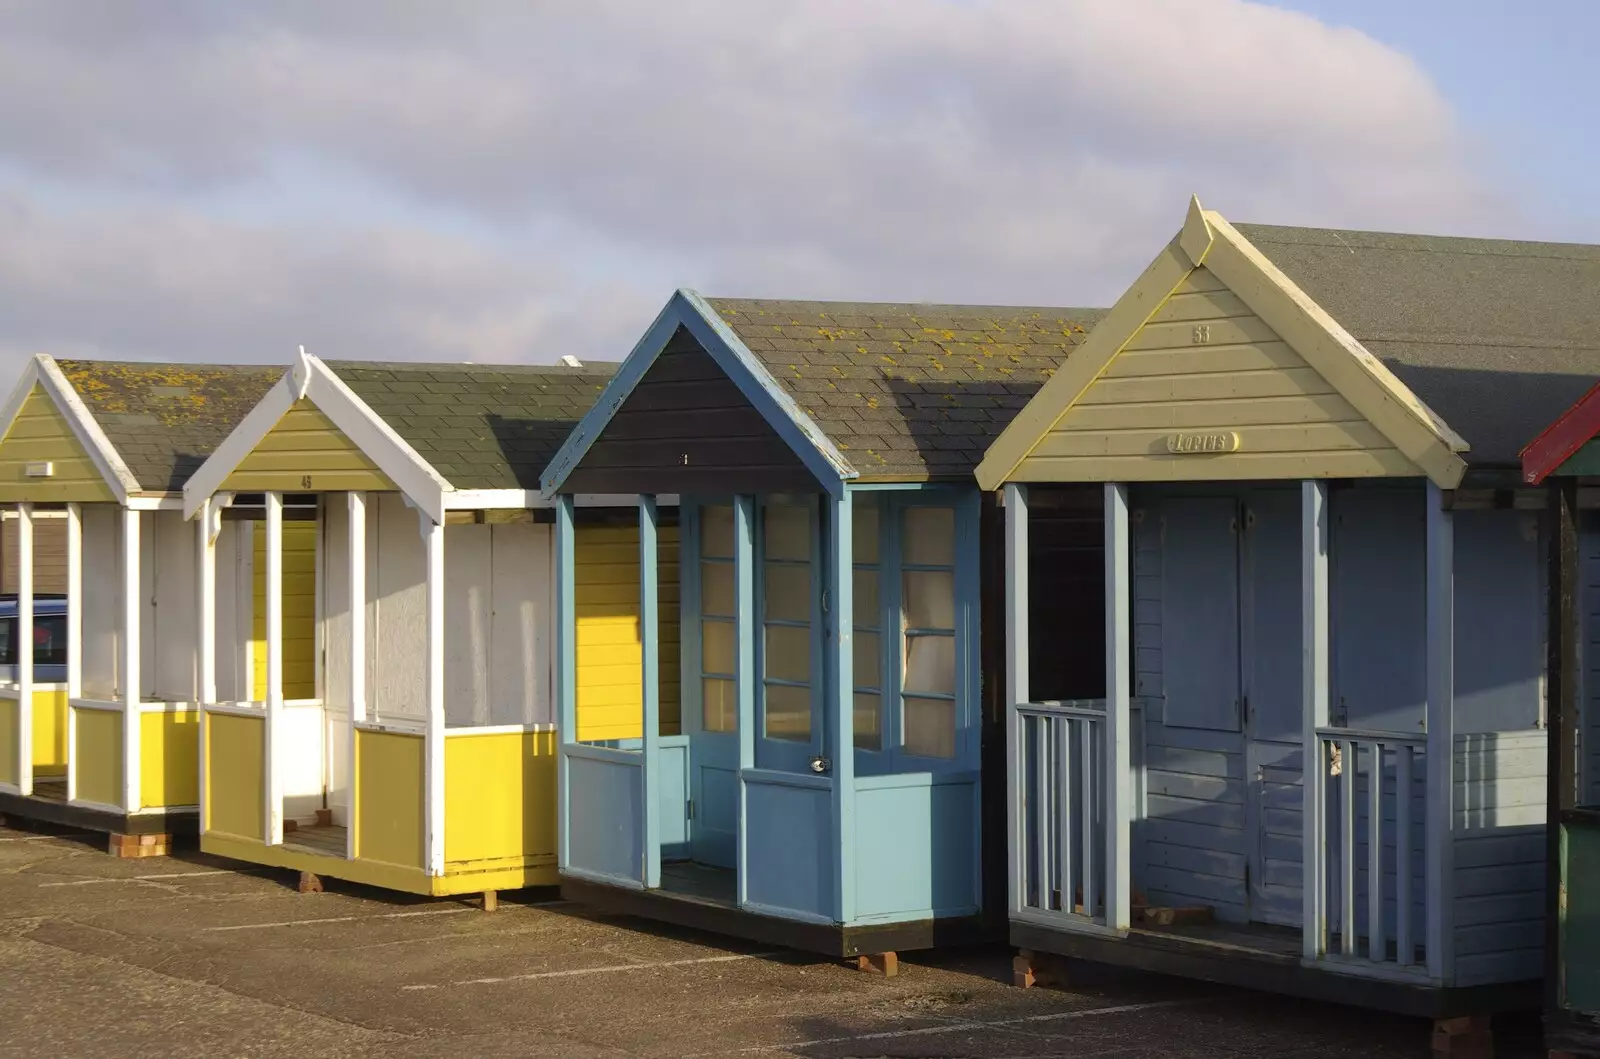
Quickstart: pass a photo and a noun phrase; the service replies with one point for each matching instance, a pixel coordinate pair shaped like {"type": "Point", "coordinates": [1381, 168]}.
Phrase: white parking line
{"type": "Point", "coordinates": [147, 878]}
{"type": "Point", "coordinates": [32, 838]}
{"type": "Point", "coordinates": [611, 969]}
{"type": "Point", "coordinates": [379, 915]}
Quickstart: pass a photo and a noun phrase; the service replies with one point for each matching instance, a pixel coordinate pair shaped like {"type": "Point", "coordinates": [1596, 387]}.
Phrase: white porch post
{"type": "Point", "coordinates": [274, 637]}
{"type": "Point", "coordinates": [745, 675]}
{"type": "Point", "coordinates": [1314, 714]}
{"type": "Point", "coordinates": [132, 679]}
{"type": "Point", "coordinates": [433, 749]}
{"type": "Point", "coordinates": [356, 505]}
{"type": "Point", "coordinates": [1017, 690]}
{"type": "Point", "coordinates": [206, 615]}
{"type": "Point", "coordinates": [650, 693]}
{"type": "Point", "coordinates": [1119, 633]}
{"type": "Point", "coordinates": [566, 667]}
{"type": "Point", "coordinates": [25, 648]}
{"type": "Point", "coordinates": [841, 591]}
{"type": "Point", "coordinates": [1440, 839]}
{"type": "Point", "coordinates": [74, 640]}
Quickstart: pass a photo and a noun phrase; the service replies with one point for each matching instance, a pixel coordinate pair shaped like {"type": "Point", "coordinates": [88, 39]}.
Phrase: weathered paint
{"type": "Point", "coordinates": [41, 434]}
{"type": "Point", "coordinates": [305, 452]}
{"type": "Point", "coordinates": [168, 756]}
{"type": "Point", "coordinates": [98, 767]}
{"type": "Point", "coordinates": [299, 612]}
{"type": "Point", "coordinates": [500, 799]}
{"type": "Point", "coordinates": [606, 576]}
{"type": "Point", "coordinates": [234, 788]}
{"type": "Point", "coordinates": [389, 797]}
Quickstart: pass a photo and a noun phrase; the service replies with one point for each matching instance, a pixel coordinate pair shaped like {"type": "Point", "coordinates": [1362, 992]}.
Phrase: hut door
{"type": "Point", "coordinates": [789, 652]}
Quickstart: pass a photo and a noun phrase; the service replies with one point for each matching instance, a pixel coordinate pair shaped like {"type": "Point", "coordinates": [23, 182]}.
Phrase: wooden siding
{"type": "Point", "coordinates": [305, 452]}
{"type": "Point", "coordinates": [299, 611]}
{"type": "Point", "coordinates": [610, 705]}
{"type": "Point", "coordinates": [686, 428]}
{"type": "Point", "coordinates": [1204, 363]}
{"type": "Point", "coordinates": [49, 553]}
{"type": "Point", "coordinates": [40, 433]}
{"type": "Point", "coordinates": [1589, 659]}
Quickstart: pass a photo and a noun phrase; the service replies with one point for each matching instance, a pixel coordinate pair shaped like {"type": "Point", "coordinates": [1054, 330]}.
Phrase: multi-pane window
{"type": "Point", "coordinates": [787, 545]}
{"type": "Point", "coordinates": [867, 633]}
{"type": "Point", "coordinates": [718, 621]}
{"type": "Point", "coordinates": [928, 631]}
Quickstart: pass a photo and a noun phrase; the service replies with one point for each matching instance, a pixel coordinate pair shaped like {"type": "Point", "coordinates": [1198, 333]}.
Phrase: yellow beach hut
{"type": "Point", "coordinates": [97, 722]}
{"type": "Point", "coordinates": [421, 755]}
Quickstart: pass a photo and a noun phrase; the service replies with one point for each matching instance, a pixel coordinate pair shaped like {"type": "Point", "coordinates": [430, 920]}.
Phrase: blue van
{"type": "Point", "coordinates": [49, 638]}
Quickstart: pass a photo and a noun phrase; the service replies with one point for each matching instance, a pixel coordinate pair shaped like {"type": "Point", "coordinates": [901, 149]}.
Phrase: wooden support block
{"type": "Point", "coordinates": [491, 900]}
{"type": "Point", "coordinates": [1030, 968]}
{"type": "Point", "coordinates": [309, 883]}
{"type": "Point", "coordinates": [884, 963]}
{"type": "Point", "coordinates": [324, 817]}
{"type": "Point", "coordinates": [1023, 973]}
{"type": "Point", "coordinates": [135, 846]}
{"type": "Point", "coordinates": [1466, 1037]}
{"type": "Point", "coordinates": [290, 825]}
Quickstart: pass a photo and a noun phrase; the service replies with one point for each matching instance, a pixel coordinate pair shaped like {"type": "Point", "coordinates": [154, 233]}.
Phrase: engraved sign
{"type": "Point", "coordinates": [1202, 334]}
{"type": "Point", "coordinates": [1221, 441]}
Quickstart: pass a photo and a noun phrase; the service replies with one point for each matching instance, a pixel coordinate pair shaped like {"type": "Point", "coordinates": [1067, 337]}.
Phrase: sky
{"type": "Point", "coordinates": [514, 180]}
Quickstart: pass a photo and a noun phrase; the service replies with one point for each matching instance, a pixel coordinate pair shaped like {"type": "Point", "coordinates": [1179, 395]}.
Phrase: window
{"type": "Point", "coordinates": [928, 632]}
{"type": "Point", "coordinates": [49, 641]}
{"type": "Point", "coordinates": [787, 544]}
{"type": "Point", "coordinates": [868, 624]}
{"type": "Point", "coordinates": [719, 708]}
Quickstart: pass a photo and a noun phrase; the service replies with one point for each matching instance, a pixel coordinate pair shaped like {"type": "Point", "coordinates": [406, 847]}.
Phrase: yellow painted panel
{"type": "Point", "coordinates": [168, 757]}
{"type": "Point", "coordinates": [40, 433]}
{"type": "Point", "coordinates": [299, 611]}
{"type": "Point", "coordinates": [99, 763]}
{"type": "Point", "coordinates": [50, 733]}
{"type": "Point", "coordinates": [389, 797]}
{"type": "Point", "coordinates": [606, 573]}
{"type": "Point", "coordinates": [305, 452]}
{"type": "Point", "coordinates": [8, 740]}
{"type": "Point", "coordinates": [235, 775]}
{"type": "Point", "coordinates": [467, 878]}
{"type": "Point", "coordinates": [499, 796]}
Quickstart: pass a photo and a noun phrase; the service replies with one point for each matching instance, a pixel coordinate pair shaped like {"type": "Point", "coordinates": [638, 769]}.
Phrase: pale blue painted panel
{"type": "Point", "coordinates": [1500, 619]}
{"type": "Point", "coordinates": [1379, 626]}
{"type": "Point", "coordinates": [915, 851]}
{"type": "Point", "coordinates": [789, 852]}
{"type": "Point", "coordinates": [1200, 612]}
{"type": "Point", "coordinates": [604, 832]}
{"type": "Point", "coordinates": [672, 790]}
{"type": "Point", "coordinates": [716, 814]}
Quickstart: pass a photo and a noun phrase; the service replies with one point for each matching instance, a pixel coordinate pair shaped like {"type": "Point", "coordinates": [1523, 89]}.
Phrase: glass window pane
{"type": "Point", "coordinates": [716, 588]}
{"type": "Point", "coordinates": [868, 723]}
{"type": "Point", "coordinates": [716, 531]}
{"type": "Point", "coordinates": [930, 727]}
{"type": "Point", "coordinates": [929, 600]}
{"type": "Point", "coordinates": [788, 712]}
{"type": "Point", "coordinates": [788, 655]}
{"type": "Point", "coordinates": [930, 665]}
{"type": "Point", "coordinates": [788, 592]}
{"type": "Point", "coordinates": [788, 531]}
{"type": "Point", "coordinates": [8, 648]}
{"type": "Point", "coordinates": [930, 536]}
{"type": "Point", "coordinates": [866, 599]}
{"type": "Point", "coordinates": [719, 710]}
{"type": "Point", "coordinates": [864, 529]}
{"type": "Point", "coordinates": [716, 647]}
{"type": "Point", "coordinates": [868, 660]}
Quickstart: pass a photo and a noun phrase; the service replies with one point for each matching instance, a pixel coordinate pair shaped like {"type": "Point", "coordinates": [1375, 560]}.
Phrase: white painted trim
{"type": "Point", "coordinates": [433, 752]}
{"type": "Point", "coordinates": [10, 690]}
{"type": "Point", "coordinates": [156, 502]}
{"type": "Point", "coordinates": [1018, 661]}
{"type": "Point", "coordinates": [207, 527]}
{"type": "Point", "coordinates": [99, 807]}
{"type": "Point", "coordinates": [236, 709]}
{"type": "Point", "coordinates": [620, 500]}
{"type": "Point", "coordinates": [74, 686]}
{"type": "Point", "coordinates": [1119, 728]}
{"type": "Point", "coordinates": [499, 729]}
{"type": "Point", "coordinates": [1439, 846]}
{"type": "Point", "coordinates": [1314, 669]}
{"type": "Point", "coordinates": [169, 707]}
{"type": "Point", "coordinates": [24, 636]}
{"type": "Point", "coordinates": [132, 678]}
{"type": "Point", "coordinates": [104, 705]}
{"type": "Point", "coordinates": [395, 727]}
{"type": "Point", "coordinates": [356, 549]}
{"type": "Point", "coordinates": [260, 420]}
{"type": "Point", "coordinates": [532, 500]}
{"type": "Point", "coordinates": [43, 370]}
{"type": "Point", "coordinates": [274, 643]}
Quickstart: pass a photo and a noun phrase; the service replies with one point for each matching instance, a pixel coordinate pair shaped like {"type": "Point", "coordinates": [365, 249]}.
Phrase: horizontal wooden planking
{"type": "Point", "coordinates": [1194, 762]}
{"type": "Point", "coordinates": [1193, 811]}
{"type": "Point", "coordinates": [1158, 734]}
{"type": "Point", "coordinates": [1201, 279]}
{"type": "Point", "coordinates": [1198, 414]}
{"type": "Point", "coordinates": [1233, 385]}
{"type": "Point", "coordinates": [1197, 306]}
{"type": "Point", "coordinates": [1180, 334]}
{"type": "Point", "coordinates": [1195, 859]}
{"type": "Point", "coordinates": [1498, 817]}
{"type": "Point", "coordinates": [1488, 848]}
{"type": "Point", "coordinates": [1500, 937]}
{"type": "Point", "coordinates": [1520, 966]}
{"type": "Point", "coordinates": [1176, 832]}
{"type": "Point", "coordinates": [40, 433]}
{"type": "Point", "coordinates": [1188, 468]}
{"type": "Point", "coordinates": [1202, 788]}
{"type": "Point", "coordinates": [1498, 908]}
{"type": "Point", "coordinates": [1293, 438]}
{"type": "Point", "coordinates": [1499, 879]}
{"type": "Point", "coordinates": [1202, 889]}
{"type": "Point", "coordinates": [1208, 359]}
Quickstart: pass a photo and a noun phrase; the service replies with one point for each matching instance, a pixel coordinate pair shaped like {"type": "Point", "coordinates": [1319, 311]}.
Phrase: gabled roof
{"type": "Point", "coordinates": [1561, 440]}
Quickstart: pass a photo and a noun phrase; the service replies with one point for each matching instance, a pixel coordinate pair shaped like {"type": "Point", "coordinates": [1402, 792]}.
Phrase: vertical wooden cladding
{"type": "Point", "coordinates": [299, 611]}
{"type": "Point", "coordinates": [606, 574]}
{"type": "Point", "coordinates": [49, 554]}
{"type": "Point", "coordinates": [41, 434]}
{"type": "Point", "coordinates": [686, 428]}
{"type": "Point", "coordinates": [1206, 364]}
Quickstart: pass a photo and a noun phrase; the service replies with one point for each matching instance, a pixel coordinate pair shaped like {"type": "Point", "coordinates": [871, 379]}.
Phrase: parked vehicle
{"type": "Point", "coordinates": [49, 638]}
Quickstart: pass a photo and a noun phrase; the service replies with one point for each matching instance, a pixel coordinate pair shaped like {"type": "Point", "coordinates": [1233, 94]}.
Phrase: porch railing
{"type": "Point", "coordinates": [1371, 833]}
{"type": "Point", "coordinates": [1061, 756]}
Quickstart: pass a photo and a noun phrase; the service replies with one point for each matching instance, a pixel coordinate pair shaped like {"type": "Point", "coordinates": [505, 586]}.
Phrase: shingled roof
{"type": "Point", "coordinates": [479, 426]}
{"type": "Point", "coordinates": [165, 419]}
{"type": "Point", "coordinates": [907, 391]}
{"type": "Point", "coordinates": [1497, 337]}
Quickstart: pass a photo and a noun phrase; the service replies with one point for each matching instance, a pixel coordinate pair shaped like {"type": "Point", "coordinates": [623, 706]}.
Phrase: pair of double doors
{"type": "Point", "coordinates": [1231, 678]}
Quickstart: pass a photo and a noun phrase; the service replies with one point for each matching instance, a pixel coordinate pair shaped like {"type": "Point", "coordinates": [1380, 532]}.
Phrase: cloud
{"type": "Point", "coordinates": [546, 164]}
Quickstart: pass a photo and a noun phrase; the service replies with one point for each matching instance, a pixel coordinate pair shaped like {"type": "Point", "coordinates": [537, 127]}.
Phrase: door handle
{"type": "Point", "coordinates": [819, 765]}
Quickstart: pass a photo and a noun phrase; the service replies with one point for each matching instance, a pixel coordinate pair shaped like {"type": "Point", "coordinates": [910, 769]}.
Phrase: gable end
{"type": "Point", "coordinates": [305, 451]}
{"type": "Point", "coordinates": [40, 434]}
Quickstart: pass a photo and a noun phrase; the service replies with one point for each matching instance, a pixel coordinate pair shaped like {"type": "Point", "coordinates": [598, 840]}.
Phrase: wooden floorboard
{"type": "Point", "coordinates": [328, 839]}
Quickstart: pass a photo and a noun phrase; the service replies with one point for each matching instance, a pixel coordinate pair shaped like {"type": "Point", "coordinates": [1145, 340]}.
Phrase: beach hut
{"type": "Point", "coordinates": [97, 720]}
{"type": "Point", "coordinates": [1316, 761]}
{"type": "Point", "coordinates": [1565, 458]}
{"type": "Point", "coordinates": [824, 792]}
{"type": "Point", "coordinates": [407, 740]}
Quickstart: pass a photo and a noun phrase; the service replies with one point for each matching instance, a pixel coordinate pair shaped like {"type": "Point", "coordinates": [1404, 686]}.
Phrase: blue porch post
{"type": "Point", "coordinates": [841, 584]}
{"type": "Point", "coordinates": [1440, 719]}
{"type": "Point", "coordinates": [650, 690]}
{"type": "Point", "coordinates": [746, 626]}
{"type": "Point", "coordinates": [566, 665]}
{"type": "Point", "coordinates": [1314, 714]}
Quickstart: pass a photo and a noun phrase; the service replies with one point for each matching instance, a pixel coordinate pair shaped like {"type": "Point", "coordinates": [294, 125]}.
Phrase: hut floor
{"type": "Point", "coordinates": [53, 789]}
{"type": "Point", "coordinates": [328, 839]}
{"type": "Point", "coordinates": [1256, 937]}
{"type": "Point", "coordinates": [687, 878]}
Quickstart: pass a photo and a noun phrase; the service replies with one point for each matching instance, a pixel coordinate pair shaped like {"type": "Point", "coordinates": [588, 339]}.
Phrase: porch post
{"type": "Point", "coordinates": [1119, 633]}
{"type": "Point", "coordinates": [566, 666]}
{"type": "Point", "coordinates": [356, 505]}
{"type": "Point", "coordinates": [274, 636]}
{"type": "Point", "coordinates": [650, 690]}
{"type": "Point", "coordinates": [1314, 715]}
{"type": "Point", "coordinates": [433, 749]}
{"type": "Point", "coordinates": [132, 679]}
{"type": "Point", "coordinates": [1440, 844]}
{"type": "Point", "coordinates": [1017, 690]}
{"type": "Point", "coordinates": [206, 616]}
{"type": "Point", "coordinates": [25, 648]}
{"type": "Point", "coordinates": [74, 640]}
{"type": "Point", "coordinates": [841, 592]}
{"type": "Point", "coordinates": [745, 626]}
